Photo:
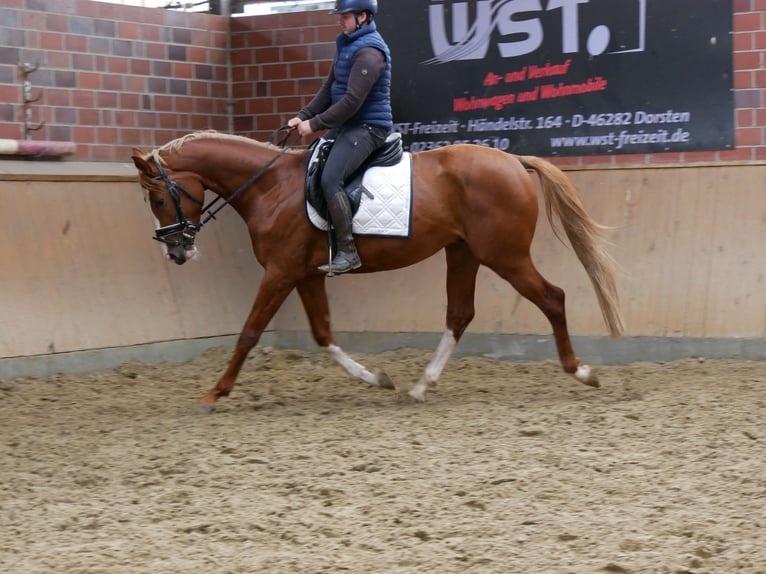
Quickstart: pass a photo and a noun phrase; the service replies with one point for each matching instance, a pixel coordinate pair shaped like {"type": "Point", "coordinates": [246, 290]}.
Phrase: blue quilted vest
{"type": "Point", "coordinates": [376, 109]}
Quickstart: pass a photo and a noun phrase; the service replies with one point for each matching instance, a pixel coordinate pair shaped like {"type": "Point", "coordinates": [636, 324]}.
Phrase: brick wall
{"type": "Point", "coordinates": [279, 62]}
{"type": "Point", "coordinates": [114, 76]}
{"type": "Point", "coordinates": [111, 76]}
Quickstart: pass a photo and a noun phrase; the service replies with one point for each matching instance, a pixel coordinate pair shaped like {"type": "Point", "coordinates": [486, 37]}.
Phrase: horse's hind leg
{"type": "Point", "coordinates": [462, 267]}
{"type": "Point", "coordinates": [526, 279]}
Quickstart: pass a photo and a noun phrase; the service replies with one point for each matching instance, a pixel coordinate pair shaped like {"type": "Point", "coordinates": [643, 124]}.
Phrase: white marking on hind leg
{"type": "Point", "coordinates": [435, 367]}
{"type": "Point", "coordinates": [585, 375]}
{"type": "Point", "coordinates": [350, 366]}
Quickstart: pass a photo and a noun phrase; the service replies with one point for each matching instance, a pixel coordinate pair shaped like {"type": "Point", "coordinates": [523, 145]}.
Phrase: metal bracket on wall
{"type": "Point", "coordinates": [25, 69]}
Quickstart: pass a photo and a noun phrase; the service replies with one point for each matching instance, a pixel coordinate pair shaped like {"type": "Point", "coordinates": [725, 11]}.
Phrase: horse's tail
{"type": "Point", "coordinates": [585, 235]}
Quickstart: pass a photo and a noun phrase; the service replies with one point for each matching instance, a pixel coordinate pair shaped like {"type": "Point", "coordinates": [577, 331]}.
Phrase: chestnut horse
{"type": "Point", "coordinates": [478, 204]}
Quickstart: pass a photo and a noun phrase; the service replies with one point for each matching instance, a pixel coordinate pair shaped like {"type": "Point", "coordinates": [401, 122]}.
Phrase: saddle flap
{"type": "Point", "coordinates": [313, 182]}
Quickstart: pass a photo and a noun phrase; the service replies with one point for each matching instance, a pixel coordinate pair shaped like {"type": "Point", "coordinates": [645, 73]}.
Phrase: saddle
{"type": "Point", "coordinates": [390, 153]}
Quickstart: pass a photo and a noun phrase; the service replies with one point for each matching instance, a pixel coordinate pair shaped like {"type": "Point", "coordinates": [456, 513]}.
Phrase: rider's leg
{"type": "Point", "coordinates": [352, 146]}
{"type": "Point", "coordinates": [346, 257]}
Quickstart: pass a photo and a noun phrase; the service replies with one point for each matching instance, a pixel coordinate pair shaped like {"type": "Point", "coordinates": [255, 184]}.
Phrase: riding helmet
{"type": "Point", "coordinates": [356, 6]}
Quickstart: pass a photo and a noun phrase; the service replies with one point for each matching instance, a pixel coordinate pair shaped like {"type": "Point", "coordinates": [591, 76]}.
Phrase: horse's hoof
{"type": "Point", "coordinates": [204, 409]}
{"type": "Point", "coordinates": [586, 376]}
{"type": "Point", "coordinates": [384, 381]}
{"type": "Point", "coordinates": [417, 396]}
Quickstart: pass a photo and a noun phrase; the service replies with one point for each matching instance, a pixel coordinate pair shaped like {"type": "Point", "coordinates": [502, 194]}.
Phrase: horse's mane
{"type": "Point", "coordinates": [176, 144]}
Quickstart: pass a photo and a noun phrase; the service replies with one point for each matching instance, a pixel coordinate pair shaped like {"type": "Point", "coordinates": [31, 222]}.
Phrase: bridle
{"type": "Point", "coordinates": [183, 225]}
{"type": "Point", "coordinates": [186, 228]}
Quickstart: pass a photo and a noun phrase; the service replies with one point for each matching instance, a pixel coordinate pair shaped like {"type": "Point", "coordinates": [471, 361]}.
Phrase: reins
{"type": "Point", "coordinates": [282, 144]}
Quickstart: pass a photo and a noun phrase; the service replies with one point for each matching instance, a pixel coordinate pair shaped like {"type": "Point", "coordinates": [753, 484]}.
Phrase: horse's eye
{"type": "Point", "coordinates": [158, 203]}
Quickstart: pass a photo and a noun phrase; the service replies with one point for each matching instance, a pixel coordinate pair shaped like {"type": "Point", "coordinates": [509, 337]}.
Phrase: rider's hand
{"type": "Point", "coordinates": [303, 126]}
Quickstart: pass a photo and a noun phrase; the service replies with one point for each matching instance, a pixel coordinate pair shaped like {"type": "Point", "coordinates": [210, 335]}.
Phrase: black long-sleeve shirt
{"type": "Point", "coordinates": [366, 68]}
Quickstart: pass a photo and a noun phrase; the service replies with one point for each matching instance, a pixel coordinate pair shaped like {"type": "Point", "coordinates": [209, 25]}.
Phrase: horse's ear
{"type": "Point", "coordinates": [138, 159]}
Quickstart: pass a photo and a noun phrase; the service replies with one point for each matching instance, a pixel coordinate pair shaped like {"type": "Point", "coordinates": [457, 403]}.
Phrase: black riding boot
{"type": "Point", "coordinates": [346, 258]}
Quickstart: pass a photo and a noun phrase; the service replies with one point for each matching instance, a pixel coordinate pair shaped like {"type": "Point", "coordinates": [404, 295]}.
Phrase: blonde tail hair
{"type": "Point", "coordinates": [584, 234]}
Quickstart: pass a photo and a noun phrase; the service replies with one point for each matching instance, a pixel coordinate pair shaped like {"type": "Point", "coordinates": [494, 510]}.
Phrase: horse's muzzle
{"type": "Point", "coordinates": [181, 254]}
{"type": "Point", "coordinates": [180, 250]}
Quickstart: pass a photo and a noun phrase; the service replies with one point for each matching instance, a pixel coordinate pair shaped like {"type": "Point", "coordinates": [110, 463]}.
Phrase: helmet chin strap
{"type": "Point", "coordinates": [356, 19]}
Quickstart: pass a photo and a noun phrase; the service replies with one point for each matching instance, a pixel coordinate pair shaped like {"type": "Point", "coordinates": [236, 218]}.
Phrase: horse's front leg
{"type": "Point", "coordinates": [272, 292]}
{"type": "Point", "coordinates": [314, 298]}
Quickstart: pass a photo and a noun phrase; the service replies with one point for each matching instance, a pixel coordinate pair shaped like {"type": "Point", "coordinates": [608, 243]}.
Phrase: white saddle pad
{"type": "Point", "coordinates": [387, 212]}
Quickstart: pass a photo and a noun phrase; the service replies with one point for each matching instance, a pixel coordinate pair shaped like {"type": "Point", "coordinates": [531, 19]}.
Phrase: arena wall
{"type": "Point", "coordinates": [83, 277]}
{"type": "Point", "coordinates": [84, 285]}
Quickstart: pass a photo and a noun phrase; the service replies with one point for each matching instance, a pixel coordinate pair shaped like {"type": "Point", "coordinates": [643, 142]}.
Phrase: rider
{"type": "Point", "coordinates": [354, 103]}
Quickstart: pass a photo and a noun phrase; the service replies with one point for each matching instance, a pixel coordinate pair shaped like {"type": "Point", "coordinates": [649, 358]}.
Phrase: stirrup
{"type": "Point", "coordinates": [341, 264]}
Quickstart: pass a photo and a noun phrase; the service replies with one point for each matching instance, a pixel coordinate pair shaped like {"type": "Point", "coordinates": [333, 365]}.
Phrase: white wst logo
{"type": "Point", "coordinates": [471, 39]}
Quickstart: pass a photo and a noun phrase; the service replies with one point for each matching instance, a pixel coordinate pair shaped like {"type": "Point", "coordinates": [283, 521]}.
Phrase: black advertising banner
{"type": "Point", "coordinates": [562, 77]}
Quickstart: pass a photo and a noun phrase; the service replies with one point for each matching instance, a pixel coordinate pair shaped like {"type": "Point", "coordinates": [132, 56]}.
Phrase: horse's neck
{"type": "Point", "coordinates": [225, 166]}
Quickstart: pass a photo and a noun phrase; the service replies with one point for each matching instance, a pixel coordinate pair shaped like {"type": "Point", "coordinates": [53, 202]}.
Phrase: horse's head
{"type": "Point", "coordinates": [176, 199]}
